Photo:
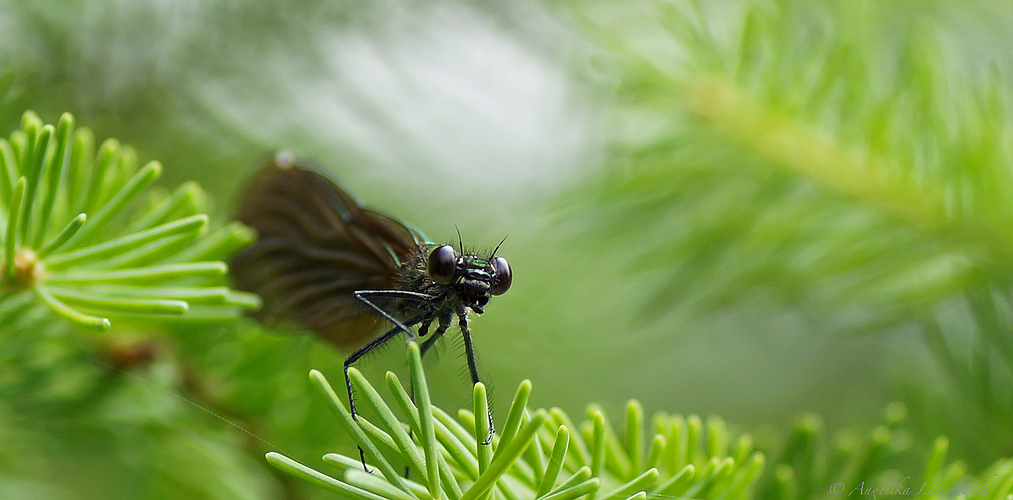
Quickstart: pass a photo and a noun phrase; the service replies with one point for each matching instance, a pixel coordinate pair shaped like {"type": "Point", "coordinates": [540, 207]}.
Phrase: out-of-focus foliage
{"type": "Point", "coordinates": [806, 156]}
{"type": "Point", "coordinates": [88, 417]}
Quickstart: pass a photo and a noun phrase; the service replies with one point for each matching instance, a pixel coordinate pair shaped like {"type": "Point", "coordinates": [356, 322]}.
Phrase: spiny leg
{"type": "Point", "coordinates": [424, 325]}
{"type": "Point", "coordinates": [437, 335]}
{"type": "Point", "coordinates": [469, 351]}
{"type": "Point", "coordinates": [425, 318]}
{"type": "Point", "coordinates": [373, 344]}
{"type": "Point", "coordinates": [363, 296]}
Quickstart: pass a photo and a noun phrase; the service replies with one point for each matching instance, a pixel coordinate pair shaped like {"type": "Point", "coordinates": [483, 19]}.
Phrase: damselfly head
{"type": "Point", "coordinates": [473, 278]}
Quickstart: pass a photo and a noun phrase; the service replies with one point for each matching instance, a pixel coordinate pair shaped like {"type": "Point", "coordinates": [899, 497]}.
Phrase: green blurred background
{"type": "Point", "coordinates": [751, 209]}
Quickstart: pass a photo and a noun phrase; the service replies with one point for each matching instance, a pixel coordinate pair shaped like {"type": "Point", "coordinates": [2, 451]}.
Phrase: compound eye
{"type": "Point", "coordinates": [503, 278]}
{"type": "Point", "coordinates": [442, 264]}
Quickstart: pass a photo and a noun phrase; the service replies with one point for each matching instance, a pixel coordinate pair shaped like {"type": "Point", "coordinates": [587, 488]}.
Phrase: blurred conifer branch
{"type": "Point", "coordinates": [847, 162]}
{"type": "Point", "coordinates": [75, 239]}
{"type": "Point", "coordinates": [851, 180]}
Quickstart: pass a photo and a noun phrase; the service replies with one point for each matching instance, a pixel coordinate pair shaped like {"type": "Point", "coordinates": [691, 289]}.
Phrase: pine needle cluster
{"type": "Point", "coordinates": [75, 241]}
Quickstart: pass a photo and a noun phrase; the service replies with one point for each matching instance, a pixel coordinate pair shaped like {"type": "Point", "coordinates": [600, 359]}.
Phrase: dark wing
{"type": "Point", "coordinates": [316, 246]}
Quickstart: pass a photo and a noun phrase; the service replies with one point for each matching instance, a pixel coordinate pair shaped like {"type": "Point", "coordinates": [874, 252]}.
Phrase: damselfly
{"type": "Point", "coordinates": [324, 262]}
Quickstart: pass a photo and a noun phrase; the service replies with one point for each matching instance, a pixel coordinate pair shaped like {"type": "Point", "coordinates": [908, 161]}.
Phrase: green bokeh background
{"type": "Point", "coordinates": [500, 119]}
